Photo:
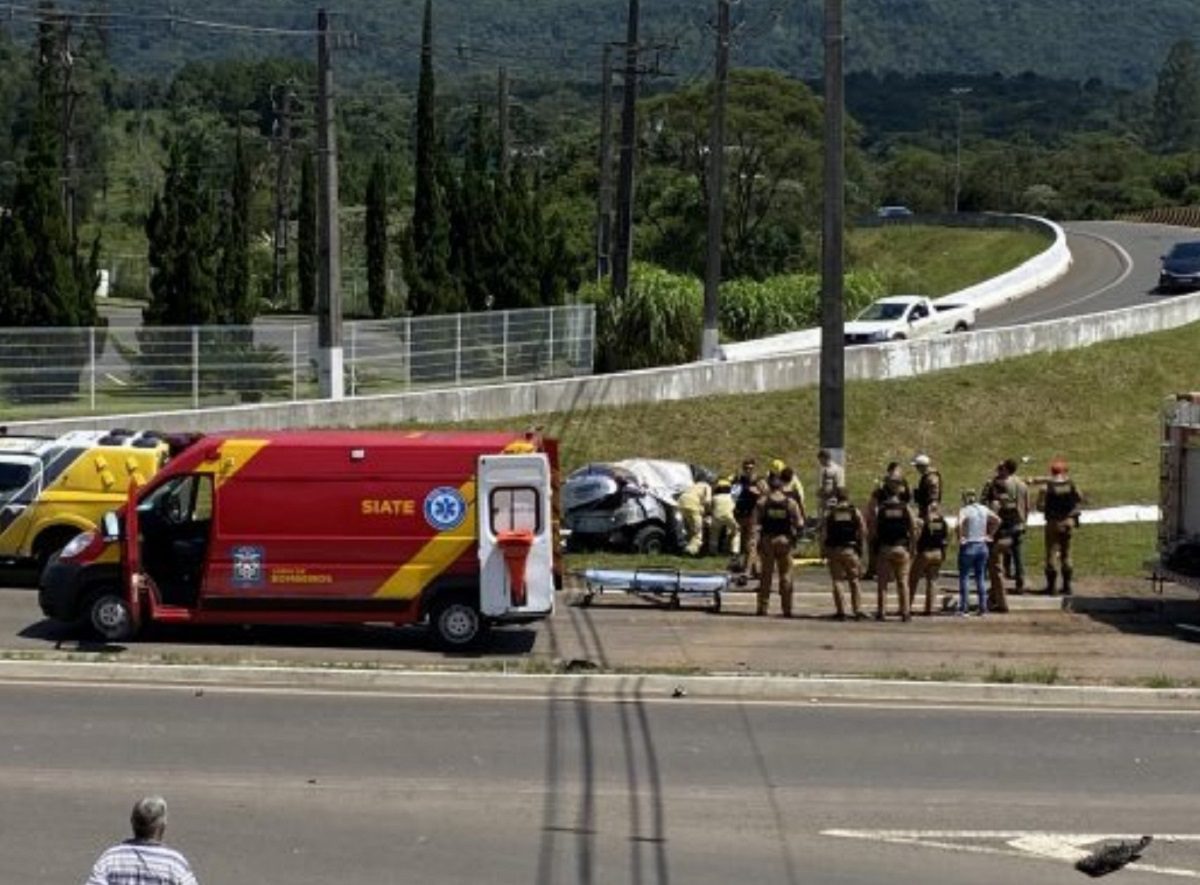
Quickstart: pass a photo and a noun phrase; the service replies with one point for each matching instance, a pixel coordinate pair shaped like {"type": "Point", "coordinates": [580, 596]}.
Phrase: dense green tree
{"type": "Point", "coordinates": [476, 227]}
{"type": "Point", "coordinates": [1176, 119]}
{"type": "Point", "coordinates": [48, 284]}
{"type": "Point", "coordinates": [306, 236]}
{"type": "Point", "coordinates": [377, 238]}
{"type": "Point", "coordinates": [431, 288]}
{"type": "Point", "coordinates": [918, 178]}
{"type": "Point", "coordinates": [773, 166]}
{"type": "Point", "coordinates": [181, 230]}
{"type": "Point", "coordinates": [235, 302]}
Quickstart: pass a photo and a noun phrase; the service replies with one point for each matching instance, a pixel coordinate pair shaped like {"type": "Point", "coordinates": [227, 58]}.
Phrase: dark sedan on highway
{"type": "Point", "coordinates": [1180, 268]}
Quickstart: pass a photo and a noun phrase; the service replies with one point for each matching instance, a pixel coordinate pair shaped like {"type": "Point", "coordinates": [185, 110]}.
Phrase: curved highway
{"type": "Point", "coordinates": [1115, 265]}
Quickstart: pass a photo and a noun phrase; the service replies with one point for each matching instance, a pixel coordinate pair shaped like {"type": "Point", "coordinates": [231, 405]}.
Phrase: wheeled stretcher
{"type": "Point", "coordinates": [664, 586]}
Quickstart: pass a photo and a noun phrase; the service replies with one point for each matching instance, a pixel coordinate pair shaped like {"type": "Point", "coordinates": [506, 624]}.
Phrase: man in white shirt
{"type": "Point", "coordinates": [144, 859]}
{"type": "Point", "coordinates": [976, 526]}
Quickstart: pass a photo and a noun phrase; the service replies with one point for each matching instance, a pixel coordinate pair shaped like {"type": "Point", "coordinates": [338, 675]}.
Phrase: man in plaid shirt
{"type": "Point", "coordinates": [144, 859]}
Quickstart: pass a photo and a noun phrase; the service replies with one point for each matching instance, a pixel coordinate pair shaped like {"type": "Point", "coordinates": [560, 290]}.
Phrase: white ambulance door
{"type": "Point", "coordinates": [514, 512]}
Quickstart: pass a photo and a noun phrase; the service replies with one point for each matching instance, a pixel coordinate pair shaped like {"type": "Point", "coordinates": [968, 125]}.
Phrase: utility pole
{"type": "Point", "coordinates": [604, 212]}
{"type": "Point", "coordinates": [710, 340]}
{"type": "Point", "coordinates": [958, 92]}
{"type": "Point", "coordinates": [283, 136]}
{"type": "Point", "coordinates": [329, 294]}
{"type": "Point", "coordinates": [623, 253]}
{"type": "Point", "coordinates": [69, 96]}
{"type": "Point", "coordinates": [502, 103]}
{"type": "Point", "coordinates": [833, 318]}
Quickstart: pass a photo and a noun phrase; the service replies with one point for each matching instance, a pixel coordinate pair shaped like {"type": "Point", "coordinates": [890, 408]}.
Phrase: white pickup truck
{"type": "Point", "coordinates": [898, 317]}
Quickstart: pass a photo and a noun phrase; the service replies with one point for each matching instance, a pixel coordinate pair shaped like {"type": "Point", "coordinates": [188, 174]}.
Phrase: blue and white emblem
{"type": "Point", "coordinates": [247, 566]}
{"type": "Point", "coordinates": [445, 508]}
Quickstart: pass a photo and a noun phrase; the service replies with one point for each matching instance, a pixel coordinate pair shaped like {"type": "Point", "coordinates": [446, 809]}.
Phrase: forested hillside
{"type": "Point", "coordinates": [1118, 41]}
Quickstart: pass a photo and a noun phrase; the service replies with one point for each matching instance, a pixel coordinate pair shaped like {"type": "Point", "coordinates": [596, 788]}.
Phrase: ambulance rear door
{"type": "Point", "coordinates": [516, 555]}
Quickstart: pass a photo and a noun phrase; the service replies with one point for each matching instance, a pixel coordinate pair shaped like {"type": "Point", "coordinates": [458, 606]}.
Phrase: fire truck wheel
{"type": "Point", "coordinates": [456, 623]}
{"type": "Point", "coordinates": [110, 618]}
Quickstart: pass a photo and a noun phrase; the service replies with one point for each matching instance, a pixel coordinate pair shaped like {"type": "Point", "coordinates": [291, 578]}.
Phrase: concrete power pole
{"type": "Point", "coordinates": [623, 252]}
{"type": "Point", "coordinates": [604, 211]}
{"type": "Point", "coordinates": [70, 96]}
{"type": "Point", "coordinates": [329, 293]}
{"type": "Point", "coordinates": [711, 339]}
{"type": "Point", "coordinates": [283, 134]}
{"type": "Point", "coordinates": [833, 318]}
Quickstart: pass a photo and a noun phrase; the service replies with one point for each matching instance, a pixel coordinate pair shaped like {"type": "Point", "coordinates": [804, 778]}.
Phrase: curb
{"type": "Point", "coordinates": [602, 686]}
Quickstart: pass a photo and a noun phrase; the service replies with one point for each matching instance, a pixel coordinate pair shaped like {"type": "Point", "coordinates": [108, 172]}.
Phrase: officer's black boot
{"type": "Point", "coordinates": [1067, 581]}
{"type": "Point", "coordinates": [1051, 581]}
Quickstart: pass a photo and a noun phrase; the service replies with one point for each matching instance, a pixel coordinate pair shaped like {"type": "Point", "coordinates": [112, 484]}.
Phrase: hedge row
{"type": "Point", "coordinates": [659, 322]}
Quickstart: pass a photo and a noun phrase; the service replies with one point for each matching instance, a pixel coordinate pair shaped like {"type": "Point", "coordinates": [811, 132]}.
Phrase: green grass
{"type": "Point", "coordinates": [1098, 407]}
{"type": "Point", "coordinates": [940, 260]}
{"type": "Point", "coordinates": [1035, 676]}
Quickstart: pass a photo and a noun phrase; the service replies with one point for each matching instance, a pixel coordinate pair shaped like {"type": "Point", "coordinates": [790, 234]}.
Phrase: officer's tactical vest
{"type": "Point", "coordinates": [842, 527]}
{"type": "Point", "coordinates": [929, 489]}
{"type": "Point", "coordinates": [1061, 499]}
{"type": "Point", "coordinates": [893, 525]}
{"type": "Point", "coordinates": [1009, 513]}
{"type": "Point", "coordinates": [777, 519]}
{"type": "Point", "coordinates": [934, 534]}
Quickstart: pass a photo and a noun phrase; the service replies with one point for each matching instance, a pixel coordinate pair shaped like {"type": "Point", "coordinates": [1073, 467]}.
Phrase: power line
{"type": "Point", "coordinates": [38, 15]}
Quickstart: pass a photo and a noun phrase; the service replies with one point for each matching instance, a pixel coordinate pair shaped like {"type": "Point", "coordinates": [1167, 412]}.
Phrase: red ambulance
{"type": "Point", "coordinates": [324, 528]}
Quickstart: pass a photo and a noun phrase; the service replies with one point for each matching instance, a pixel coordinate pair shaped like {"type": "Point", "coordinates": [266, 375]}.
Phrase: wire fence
{"type": "Point", "coordinates": [123, 370]}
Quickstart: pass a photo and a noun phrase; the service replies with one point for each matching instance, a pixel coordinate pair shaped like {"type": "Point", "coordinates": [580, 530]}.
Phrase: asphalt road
{"type": "Point", "coordinates": [1116, 265]}
{"type": "Point", "coordinates": [271, 787]}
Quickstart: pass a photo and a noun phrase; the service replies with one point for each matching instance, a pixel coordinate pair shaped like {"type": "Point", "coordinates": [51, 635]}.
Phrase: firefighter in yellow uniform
{"type": "Point", "coordinates": [723, 533]}
{"type": "Point", "coordinates": [842, 535]}
{"type": "Point", "coordinates": [694, 503]}
{"type": "Point", "coordinates": [931, 553]}
{"type": "Point", "coordinates": [750, 490]}
{"type": "Point", "coordinates": [779, 524]}
{"type": "Point", "coordinates": [1059, 500]}
{"type": "Point", "coordinates": [895, 531]}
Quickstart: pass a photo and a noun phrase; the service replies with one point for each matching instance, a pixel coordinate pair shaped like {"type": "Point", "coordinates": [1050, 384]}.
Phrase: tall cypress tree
{"type": "Point", "coordinates": [431, 287]}
{"type": "Point", "coordinates": [182, 239]}
{"type": "Point", "coordinates": [306, 237]}
{"type": "Point", "coordinates": [235, 304]}
{"type": "Point", "coordinates": [377, 238]}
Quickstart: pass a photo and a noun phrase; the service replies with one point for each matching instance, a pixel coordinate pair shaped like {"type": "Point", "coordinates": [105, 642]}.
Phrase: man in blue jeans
{"type": "Point", "coordinates": [976, 527]}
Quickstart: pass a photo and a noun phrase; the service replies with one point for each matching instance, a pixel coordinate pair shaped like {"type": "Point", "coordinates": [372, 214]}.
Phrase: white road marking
{"type": "Point", "coordinates": [1029, 844]}
{"type": "Point", "coordinates": [1122, 253]}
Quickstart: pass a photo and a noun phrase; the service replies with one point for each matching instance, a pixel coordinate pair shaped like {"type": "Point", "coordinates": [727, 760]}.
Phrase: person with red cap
{"type": "Point", "coordinates": [1059, 500]}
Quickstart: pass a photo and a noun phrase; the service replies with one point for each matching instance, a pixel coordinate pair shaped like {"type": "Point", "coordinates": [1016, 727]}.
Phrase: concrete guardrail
{"type": "Point", "coordinates": [1034, 274]}
{"type": "Point", "coordinates": [578, 395]}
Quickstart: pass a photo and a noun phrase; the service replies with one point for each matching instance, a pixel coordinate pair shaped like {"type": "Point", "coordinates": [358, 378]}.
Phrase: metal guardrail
{"type": "Point", "coordinates": [47, 373]}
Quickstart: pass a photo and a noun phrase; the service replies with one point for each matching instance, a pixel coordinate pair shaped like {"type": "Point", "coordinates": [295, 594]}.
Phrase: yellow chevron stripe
{"type": "Point", "coordinates": [438, 554]}
{"type": "Point", "coordinates": [235, 454]}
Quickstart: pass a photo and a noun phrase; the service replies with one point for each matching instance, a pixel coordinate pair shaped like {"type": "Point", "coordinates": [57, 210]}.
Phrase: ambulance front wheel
{"type": "Point", "coordinates": [457, 623]}
{"type": "Point", "coordinates": [110, 617]}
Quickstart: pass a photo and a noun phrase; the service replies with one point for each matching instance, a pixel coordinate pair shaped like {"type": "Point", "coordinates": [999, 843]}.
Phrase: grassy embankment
{"type": "Point", "coordinates": [1098, 407]}
{"type": "Point", "coordinates": [939, 260]}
